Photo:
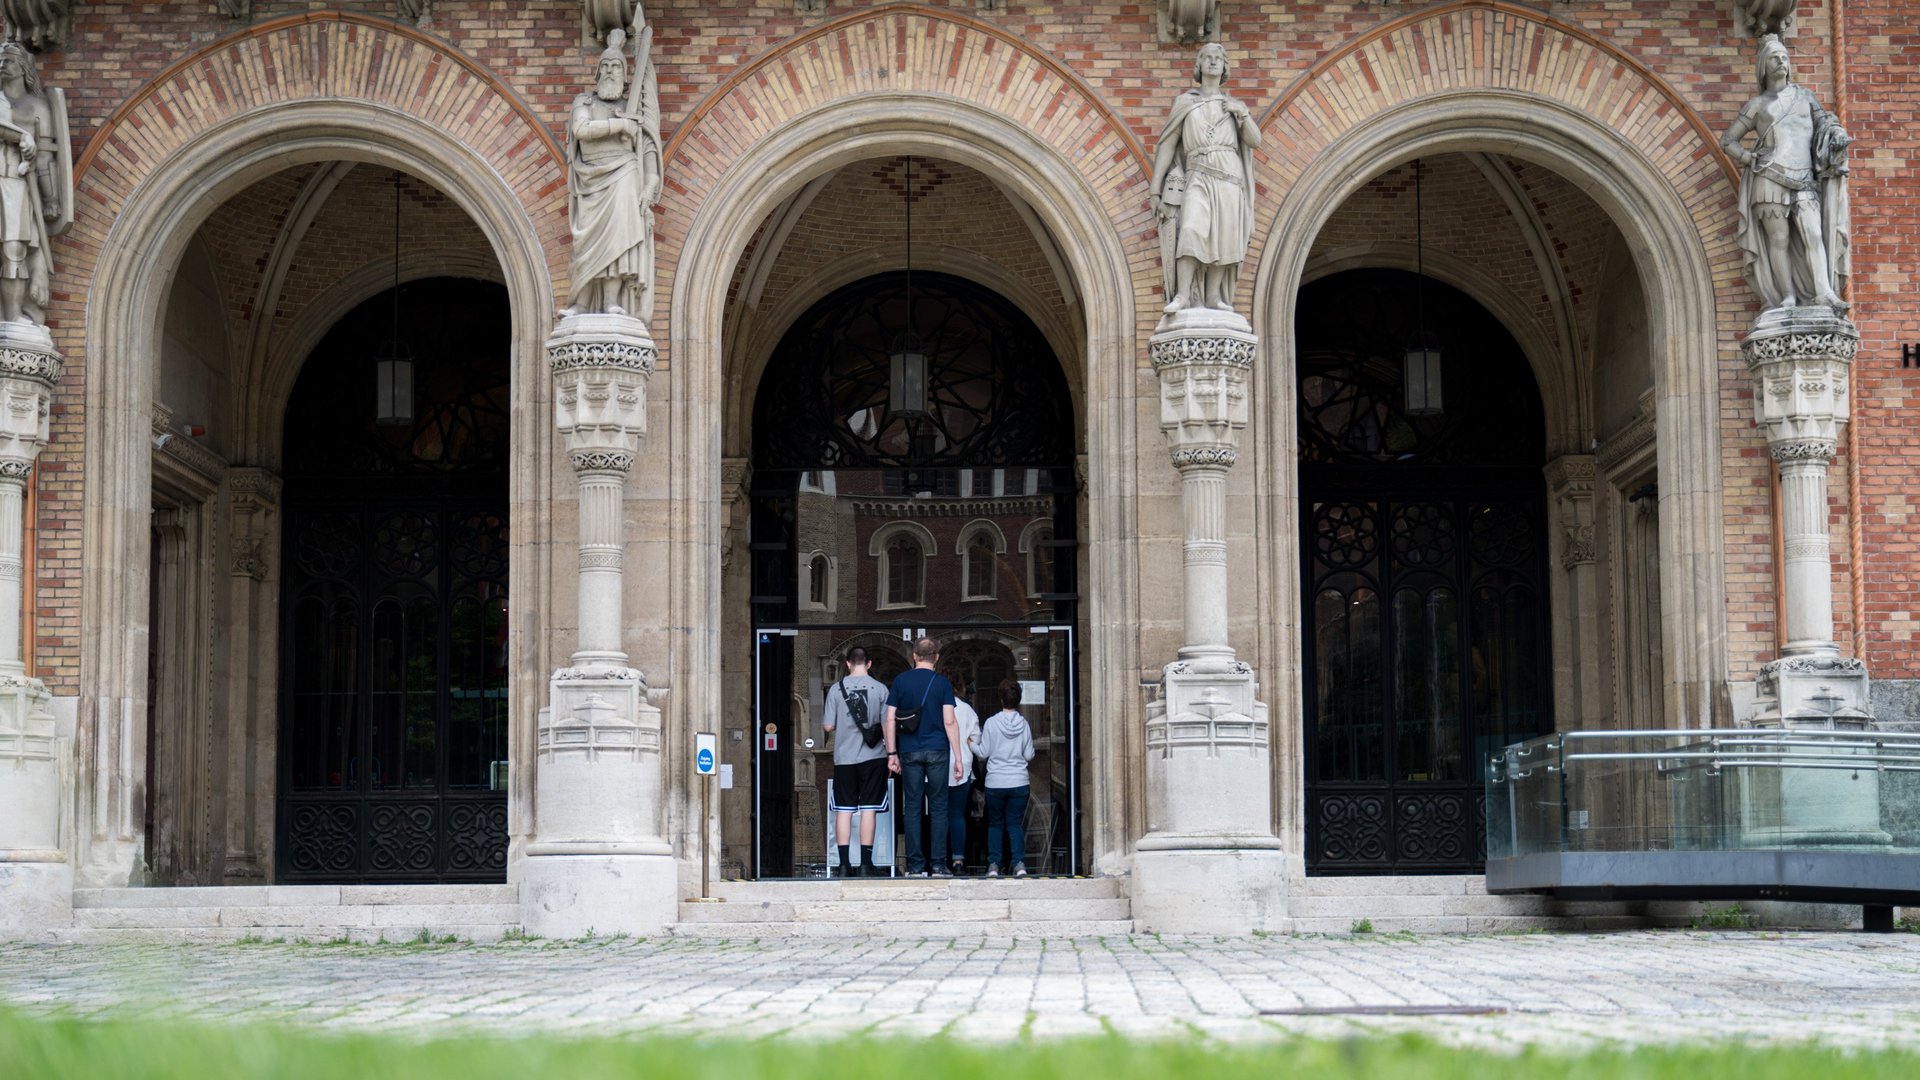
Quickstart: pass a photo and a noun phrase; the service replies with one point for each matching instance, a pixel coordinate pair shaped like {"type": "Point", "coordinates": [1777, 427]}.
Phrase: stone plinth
{"type": "Point", "coordinates": [596, 862]}
{"type": "Point", "coordinates": [1209, 862]}
{"type": "Point", "coordinates": [36, 881]}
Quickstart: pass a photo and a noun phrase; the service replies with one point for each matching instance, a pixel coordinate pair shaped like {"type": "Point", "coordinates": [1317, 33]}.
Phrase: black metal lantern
{"type": "Point", "coordinates": [1421, 374]}
{"type": "Point", "coordinates": [393, 361]}
{"type": "Point", "coordinates": [907, 357]}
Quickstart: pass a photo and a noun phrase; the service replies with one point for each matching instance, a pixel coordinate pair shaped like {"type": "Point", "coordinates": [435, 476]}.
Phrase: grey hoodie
{"type": "Point", "coordinates": [1006, 745]}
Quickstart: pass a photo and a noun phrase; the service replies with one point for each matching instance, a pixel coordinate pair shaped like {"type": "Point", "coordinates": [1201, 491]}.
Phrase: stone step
{"type": "Point", "coordinates": [1389, 885]}
{"type": "Point", "coordinates": [998, 931]}
{"type": "Point", "coordinates": [296, 896]}
{"type": "Point", "coordinates": [915, 913]}
{"type": "Point", "coordinates": [389, 917]}
{"type": "Point", "coordinates": [1374, 907]}
{"type": "Point", "coordinates": [1469, 924]}
{"type": "Point", "coordinates": [316, 936]}
{"type": "Point", "coordinates": [968, 888]}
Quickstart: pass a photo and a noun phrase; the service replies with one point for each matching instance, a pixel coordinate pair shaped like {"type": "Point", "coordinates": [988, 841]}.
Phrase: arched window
{"type": "Point", "coordinates": [818, 579]}
{"type": "Point", "coordinates": [900, 550]}
{"type": "Point", "coordinates": [1036, 543]}
{"type": "Point", "coordinates": [906, 572]}
{"type": "Point", "coordinates": [980, 566]}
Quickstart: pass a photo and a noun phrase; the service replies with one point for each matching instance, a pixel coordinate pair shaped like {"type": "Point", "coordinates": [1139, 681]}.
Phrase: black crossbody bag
{"type": "Point", "coordinates": [908, 720]}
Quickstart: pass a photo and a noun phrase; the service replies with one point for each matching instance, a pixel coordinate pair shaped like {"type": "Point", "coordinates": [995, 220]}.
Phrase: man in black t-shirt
{"type": "Point", "coordinates": [927, 759]}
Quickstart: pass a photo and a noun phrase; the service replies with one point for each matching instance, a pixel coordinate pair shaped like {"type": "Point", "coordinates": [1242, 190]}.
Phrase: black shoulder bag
{"type": "Point", "coordinates": [908, 720]}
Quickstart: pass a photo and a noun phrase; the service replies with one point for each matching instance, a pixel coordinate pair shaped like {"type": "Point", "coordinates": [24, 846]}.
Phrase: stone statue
{"type": "Point", "coordinates": [1203, 189]}
{"type": "Point", "coordinates": [38, 24]}
{"type": "Point", "coordinates": [1187, 21]}
{"type": "Point", "coordinates": [613, 183]}
{"type": "Point", "coordinates": [36, 184]}
{"type": "Point", "coordinates": [1793, 190]}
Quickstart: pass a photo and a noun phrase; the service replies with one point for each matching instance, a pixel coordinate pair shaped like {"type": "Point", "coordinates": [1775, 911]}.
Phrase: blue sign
{"type": "Point", "coordinates": [706, 760]}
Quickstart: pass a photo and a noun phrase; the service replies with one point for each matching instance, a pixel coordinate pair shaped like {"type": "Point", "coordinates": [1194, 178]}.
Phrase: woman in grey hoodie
{"type": "Point", "coordinates": [1006, 745]}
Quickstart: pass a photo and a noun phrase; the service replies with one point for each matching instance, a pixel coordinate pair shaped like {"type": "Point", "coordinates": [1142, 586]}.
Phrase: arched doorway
{"type": "Point", "coordinates": [1423, 545]}
{"type": "Point", "coordinates": [881, 511]}
{"type": "Point", "coordinates": [394, 669]}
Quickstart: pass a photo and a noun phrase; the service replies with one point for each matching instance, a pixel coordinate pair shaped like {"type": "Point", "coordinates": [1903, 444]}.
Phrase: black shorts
{"type": "Point", "coordinates": [860, 787]}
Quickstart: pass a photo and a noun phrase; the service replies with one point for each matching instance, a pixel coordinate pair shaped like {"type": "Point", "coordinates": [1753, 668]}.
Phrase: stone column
{"type": "Point", "coordinates": [1578, 643]}
{"type": "Point", "coordinates": [597, 861]}
{"type": "Point", "coordinates": [1209, 862]}
{"type": "Point", "coordinates": [36, 880]}
{"type": "Point", "coordinates": [1800, 367]}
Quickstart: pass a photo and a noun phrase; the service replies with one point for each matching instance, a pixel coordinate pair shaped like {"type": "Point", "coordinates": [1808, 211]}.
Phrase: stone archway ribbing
{"type": "Point", "coordinates": [308, 88]}
{"type": "Point", "coordinates": [1025, 124]}
{"type": "Point", "coordinates": [1482, 76]}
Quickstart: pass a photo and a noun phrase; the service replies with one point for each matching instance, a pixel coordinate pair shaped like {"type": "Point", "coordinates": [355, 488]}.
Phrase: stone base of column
{"type": "Point", "coordinates": [1209, 862]}
{"type": "Point", "coordinates": [36, 898]}
{"type": "Point", "coordinates": [1825, 691]}
{"type": "Point", "coordinates": [597, 861]}
{"type": "Point", "coordinates": [36, 881]}
{"type": "Point", "coordinates": [570, 896]}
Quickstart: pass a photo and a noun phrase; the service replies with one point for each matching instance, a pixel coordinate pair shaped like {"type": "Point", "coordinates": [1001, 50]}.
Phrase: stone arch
{"type": "Point", "coordinates": [755, 147]}
{"type": "Point", "coordinates": [308, 88]}
{"type": "Point", "coordinates": [1484, 76]}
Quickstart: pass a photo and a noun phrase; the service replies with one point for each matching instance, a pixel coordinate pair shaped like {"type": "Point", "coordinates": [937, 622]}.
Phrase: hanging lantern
{"type": "Point", "coordinates": [393, 383]}
{"type": "Point", "coordinates": [393, 362]}
{"type": "Point", "coordinates": [1421, 377]}
{"type": "Point", "coordinates": [907, 376]}
{"type": "Point", "coordinates": [1421, 373]}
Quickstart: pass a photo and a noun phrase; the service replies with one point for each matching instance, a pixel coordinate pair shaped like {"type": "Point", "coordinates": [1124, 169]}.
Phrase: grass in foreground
{"type": "Point", "coordinates": [149, 1050]}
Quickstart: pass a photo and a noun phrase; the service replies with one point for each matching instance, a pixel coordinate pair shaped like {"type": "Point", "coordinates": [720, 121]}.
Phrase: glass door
{"type": "Point", "coordinates": [795, 666]}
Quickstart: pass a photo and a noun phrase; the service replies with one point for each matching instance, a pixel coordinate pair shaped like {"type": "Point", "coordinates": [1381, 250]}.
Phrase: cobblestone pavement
{"type": "Point", "coordinates": [1656, 986]}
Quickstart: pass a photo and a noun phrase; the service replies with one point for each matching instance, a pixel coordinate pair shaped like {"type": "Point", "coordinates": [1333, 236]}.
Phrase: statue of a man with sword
{"type": "Point", "coordinates": [613, 183]}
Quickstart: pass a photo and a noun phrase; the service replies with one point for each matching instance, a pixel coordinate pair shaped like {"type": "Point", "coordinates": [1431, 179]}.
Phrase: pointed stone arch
{"type": "Point", "coordinates": [317, 87]}
{"type": "Point", "coordinates": [1486, 76]}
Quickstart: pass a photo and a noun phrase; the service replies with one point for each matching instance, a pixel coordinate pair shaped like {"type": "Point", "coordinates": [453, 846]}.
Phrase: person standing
{"type": "Point", "coordinates": [1006, 745]}
{"type": "Point", "coordinates": [853, 716]}
{"type": "Point", "coordinates": [960, 791]}
{"type": "Point", "coordinates": [923, 747]}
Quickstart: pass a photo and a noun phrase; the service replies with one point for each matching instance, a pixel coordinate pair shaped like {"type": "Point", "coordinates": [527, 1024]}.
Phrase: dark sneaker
{"type": "Point", "coordinates": [940, 871]}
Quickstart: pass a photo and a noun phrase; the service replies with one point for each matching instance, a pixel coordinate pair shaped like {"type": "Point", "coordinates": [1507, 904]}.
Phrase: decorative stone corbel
{"type": "Point", "coordinates": [1187, 22]}
{"type": "Point", "coordinates": [809, 7]}
{"type": "Point", "coordinates": [254, 499]}
{"type": "Point", "coordinates": [38, 24]}
{"type": "Point", "coordinates": [411, 11]}
{"type": "Point", "coordinates": [736, 474]}
{"type": "Point", "coordinates": [234, 9]}
{"type": "Point", "coordinates": [603, 17]}
{"type": "Point", "coordinates": [1754, 18]}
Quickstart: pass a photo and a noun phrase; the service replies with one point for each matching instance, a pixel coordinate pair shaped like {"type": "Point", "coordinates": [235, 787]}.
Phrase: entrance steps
{"type": "Point", "coordinates": [1455, 904]}
{"type": "Point", "coordinates": [911, 908]}
{"type": "Point", "coordinates": [313, 913]}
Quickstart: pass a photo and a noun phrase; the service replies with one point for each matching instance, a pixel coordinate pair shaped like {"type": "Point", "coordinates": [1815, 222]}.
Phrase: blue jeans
{"type": "Point", "coordinates": [1007, 813]}
{"type": "Point", "coordinates": [957, 800]}
{"type": "Point", "coordinates": [923, 780]}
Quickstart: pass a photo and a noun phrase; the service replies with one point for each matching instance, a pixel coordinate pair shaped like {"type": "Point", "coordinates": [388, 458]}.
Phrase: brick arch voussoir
{"type": "Point", "coordinates": [1493, 45]}
{"type": "Point", "coordinates": [315, 57]}
{"type": "Point", "coordinates": [905, 48]}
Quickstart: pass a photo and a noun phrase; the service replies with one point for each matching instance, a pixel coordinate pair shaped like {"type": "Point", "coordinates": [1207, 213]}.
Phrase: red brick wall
{"type": "Point", "coordinates": [534, 48]}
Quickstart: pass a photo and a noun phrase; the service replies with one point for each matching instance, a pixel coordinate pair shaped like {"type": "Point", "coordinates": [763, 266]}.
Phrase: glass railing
{"type": "Point", "coordinates": [1706, 790]}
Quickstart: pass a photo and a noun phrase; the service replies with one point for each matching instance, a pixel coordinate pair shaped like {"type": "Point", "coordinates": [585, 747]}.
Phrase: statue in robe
{"type": "Point", "coordinates": [1203, 189]}
{"type": "Point", "coordinates": [1794, 228]}
{"type": "Point", "coordinates": [36, 185]}
{"type": "Point", "coordinates": [613, 183]}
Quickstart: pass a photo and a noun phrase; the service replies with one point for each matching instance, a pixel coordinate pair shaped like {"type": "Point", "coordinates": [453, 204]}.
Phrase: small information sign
{"type": "Point", "coordinates": [706, 757]}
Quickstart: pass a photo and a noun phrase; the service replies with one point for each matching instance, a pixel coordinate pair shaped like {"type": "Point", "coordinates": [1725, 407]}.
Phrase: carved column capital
{"type": "Point", "coordinates": [38, 24]}
{"type": "Point", "coordinates": [29, 366]}
{"type": "Point", "coordinates": [1204, 375]}
{"type": "Point", "coordinates": [1800, 371]}
{"type": "Point", "coordinates": [601, 365]}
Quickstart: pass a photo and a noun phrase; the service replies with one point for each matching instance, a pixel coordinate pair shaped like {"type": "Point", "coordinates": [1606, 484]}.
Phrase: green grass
{"type": "Point", "coordinates": [149, 1050]}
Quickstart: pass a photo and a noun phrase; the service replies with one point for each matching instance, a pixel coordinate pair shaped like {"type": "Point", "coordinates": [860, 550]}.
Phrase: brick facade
{"type": "Point", "coordinates": [1092, 81]}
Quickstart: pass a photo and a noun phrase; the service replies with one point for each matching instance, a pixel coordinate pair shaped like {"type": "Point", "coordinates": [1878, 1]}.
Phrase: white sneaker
{"type": "Point", "coordinates": [1019, 869]}
{"type": "Point", "coordinates": [992, 870]}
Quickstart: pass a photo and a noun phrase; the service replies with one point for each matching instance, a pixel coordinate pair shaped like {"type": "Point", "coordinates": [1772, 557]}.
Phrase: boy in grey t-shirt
{"type": "Point", "coordinates": [859, 768]}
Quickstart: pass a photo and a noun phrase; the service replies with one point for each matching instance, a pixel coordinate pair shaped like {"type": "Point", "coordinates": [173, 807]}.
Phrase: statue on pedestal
{"type": "Point", "coordinates": [613, 183]}
{"type": "Point", "coordinates": [1794, 212]}
{"type": "Point", "coordinates": [36, 185]}
{"type": "Point", "coordinates": [1203, 189]}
